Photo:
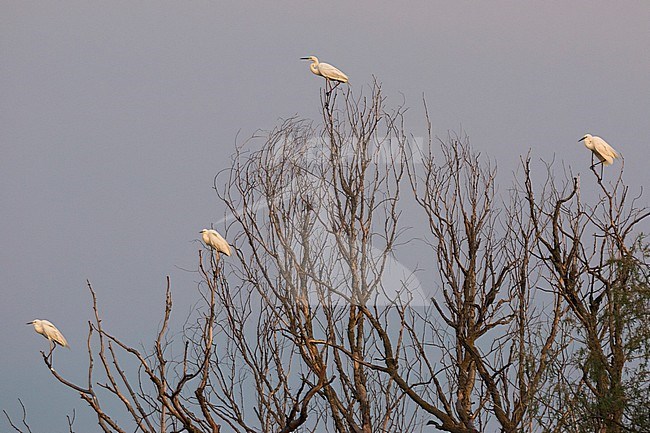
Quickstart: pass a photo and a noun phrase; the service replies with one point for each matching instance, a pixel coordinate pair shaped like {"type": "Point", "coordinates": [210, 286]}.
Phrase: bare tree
{"type": "Point", "coordinates": [223, 377]}
{"type": "Point", "coordinates": [598, 265]}
{"type": "Point", "coordinates": [468, 360]}
{"type": "Point", "coordinates": [536, 319]}
{"type": "Point", "coordinates": [317, 210]}
{"type": "Point", "coordinates": [321, 220]}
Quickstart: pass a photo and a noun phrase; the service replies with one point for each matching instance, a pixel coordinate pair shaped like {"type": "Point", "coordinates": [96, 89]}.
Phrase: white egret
{"type": "Point", "coordinates": [49, 331]}
{"type": "Point", "coordinates": [215, 241]}
{"type": "Point", "coordinates": [327, 71]}
{"type": "Point", "coordinates": [599, 147]}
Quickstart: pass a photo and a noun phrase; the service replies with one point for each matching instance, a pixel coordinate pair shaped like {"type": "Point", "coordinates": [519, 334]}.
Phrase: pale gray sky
{"type": "Point", "coordinates": [115, 117]}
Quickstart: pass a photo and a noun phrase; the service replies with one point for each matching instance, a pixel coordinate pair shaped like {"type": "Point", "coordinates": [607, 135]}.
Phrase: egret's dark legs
{"type": "Point", "coordinates": [214, 259]}
{"type": "Point", "coordinates": [593, 165]}
{"type": "Point", "coordinates": [51, 352]}
{"type": "Point", "coordinates": [328, 92]}
{"type": "Point", "coordinates": [331, 89]}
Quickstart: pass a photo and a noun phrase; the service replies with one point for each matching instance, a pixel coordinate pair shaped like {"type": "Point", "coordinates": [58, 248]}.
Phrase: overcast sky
{"type": "Point", "coordinates": [116, 116]}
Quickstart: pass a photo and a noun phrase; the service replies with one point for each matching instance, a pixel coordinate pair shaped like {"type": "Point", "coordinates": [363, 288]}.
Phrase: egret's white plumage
{"type": "Point", "coordinates": [49, 331]}
{"type": "Point", "coordinates": [215, 241]}
{"type": "Point", "coordinates": [326, 70]}
{"type": "Point", "coordinates": [603, 151]}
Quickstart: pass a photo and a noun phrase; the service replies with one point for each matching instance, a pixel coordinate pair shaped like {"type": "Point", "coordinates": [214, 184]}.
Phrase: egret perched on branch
{"type": "Point", "coordinates": [605, 153]}
{"type": "Point", "coordinates": [329, 72]}
{"type": "Point", "coordinates": [215, 241]}
{"type": "Point", "coordinates": [49, 331]}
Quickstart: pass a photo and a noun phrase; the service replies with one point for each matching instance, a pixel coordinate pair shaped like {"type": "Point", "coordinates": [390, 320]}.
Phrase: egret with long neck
{"type": "Point", "coordinates": [599, 147]}
{"type": "Point", "coordinates": [327, 71]}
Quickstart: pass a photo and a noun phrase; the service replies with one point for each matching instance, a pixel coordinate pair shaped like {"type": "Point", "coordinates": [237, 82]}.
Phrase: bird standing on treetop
{"type": "Point", "coordinates": [49, 331]}
{"type": "Point", "coordinates": [326, 70]}
{"type": "Point", "coordinates": [605, 153]}
{"type": "Point", "coordinates": [215, 241]}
